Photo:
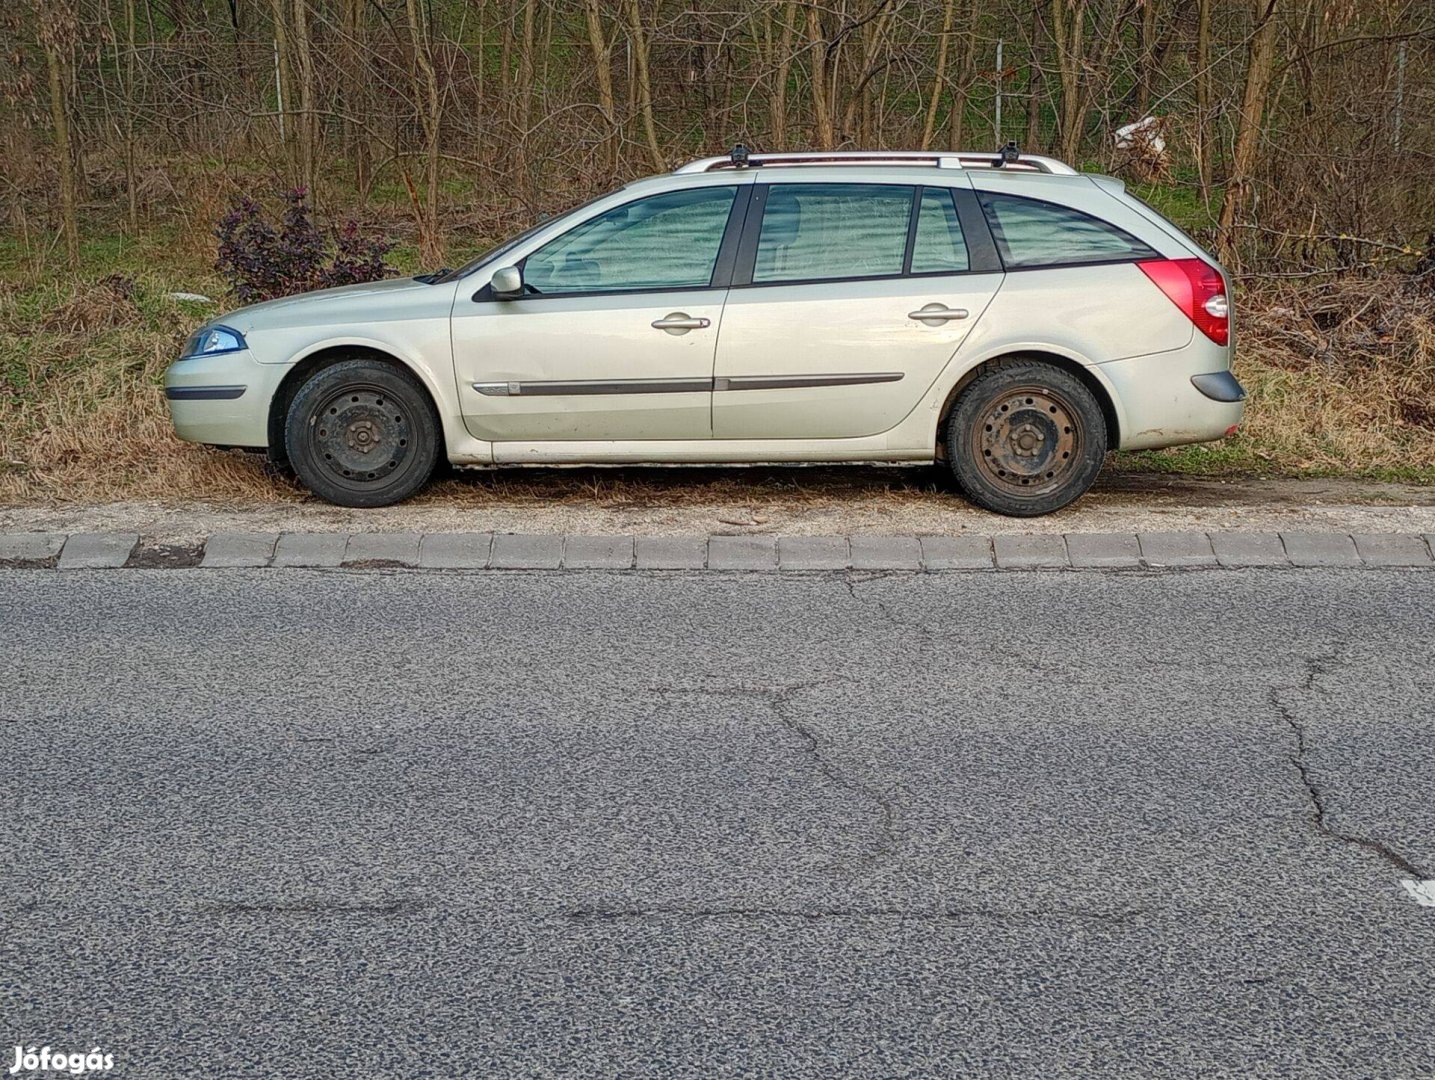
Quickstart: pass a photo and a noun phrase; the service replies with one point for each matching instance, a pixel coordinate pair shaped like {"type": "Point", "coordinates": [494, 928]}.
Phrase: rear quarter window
{"type": "Point", "coordinates": [1029, 232]}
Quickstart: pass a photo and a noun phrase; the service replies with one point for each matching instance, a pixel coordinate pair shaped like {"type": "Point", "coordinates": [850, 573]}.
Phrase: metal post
{"type": "Point", "coordinates": [1399, 91]}
{"type": "Point", "coordinates": [999, 94]}
{"type": "Point", "coordinates": [279, 91]}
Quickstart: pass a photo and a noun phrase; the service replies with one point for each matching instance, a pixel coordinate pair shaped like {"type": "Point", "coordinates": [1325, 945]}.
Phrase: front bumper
{"type": "Point", "coordinates": [222, 400]}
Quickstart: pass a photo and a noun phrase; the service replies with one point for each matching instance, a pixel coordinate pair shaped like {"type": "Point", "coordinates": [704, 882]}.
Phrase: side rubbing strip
{"type": "Point", "coordinates": [787, 382]}
{"type": "Point", "coordinates": [678, 386]}
{"type": "Point", "coordinates": [583, 387]}
{"type": "Point", "coordinates": [204, 393]}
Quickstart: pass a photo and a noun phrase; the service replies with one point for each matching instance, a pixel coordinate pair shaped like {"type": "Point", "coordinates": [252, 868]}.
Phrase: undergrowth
{"type": "Point", "coordinates": [1341, 376]}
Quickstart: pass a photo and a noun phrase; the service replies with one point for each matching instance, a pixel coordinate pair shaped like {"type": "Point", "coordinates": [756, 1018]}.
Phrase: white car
{"type": "Point", "coordinates": [1002, 313]}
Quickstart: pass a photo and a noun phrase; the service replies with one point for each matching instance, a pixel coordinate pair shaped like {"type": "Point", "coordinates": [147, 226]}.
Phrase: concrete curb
{"type": "Point", "coordinates": [740, 553]}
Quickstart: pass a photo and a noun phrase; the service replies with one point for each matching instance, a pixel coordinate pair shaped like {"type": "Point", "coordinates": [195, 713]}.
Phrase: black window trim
{"type": "Point", "coordinates": [980, 196]}
{"type": "Point", "coordinates": [981, 248]}
{"type": "Point", "coordinates": [722, 266]}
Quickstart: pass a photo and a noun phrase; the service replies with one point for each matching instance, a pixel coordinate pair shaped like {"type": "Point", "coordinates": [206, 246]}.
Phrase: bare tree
{"type": "Point", "coordinates": [644, 83]}
{"type": "Point", "coordinates": [58, 30]}
{"type": "Point", "coordinates": [603, 67]}
{"type": "Point", "coordinates": [1259, 68]}
{"type": "Point", "coordinates": [426, 93]}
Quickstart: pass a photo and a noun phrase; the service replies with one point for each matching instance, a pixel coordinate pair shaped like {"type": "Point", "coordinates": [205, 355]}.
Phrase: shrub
{"type": "Point", "coordinates": [261, 261]}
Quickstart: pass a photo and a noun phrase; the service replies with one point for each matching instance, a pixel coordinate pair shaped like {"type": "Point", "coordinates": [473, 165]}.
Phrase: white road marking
{"type": "Point", "coordinates": [1422, 892]}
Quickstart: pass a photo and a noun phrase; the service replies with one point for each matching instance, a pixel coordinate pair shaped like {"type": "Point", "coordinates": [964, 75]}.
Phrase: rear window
{"type": "Point", "coordinates": [815, 231]}
{"type": "Point", "coordinates": [1029, 232]}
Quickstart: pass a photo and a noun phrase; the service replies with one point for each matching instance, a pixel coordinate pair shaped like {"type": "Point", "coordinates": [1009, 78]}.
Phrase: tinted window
{"type": "Point", "coordinates": [832, 231]}
{"type": "Point", "coordinates": [939, 246]}
{"type": "Point", "coordinates": [667, 241]}
{"type": "Point", "coordinates": [1032, 233]}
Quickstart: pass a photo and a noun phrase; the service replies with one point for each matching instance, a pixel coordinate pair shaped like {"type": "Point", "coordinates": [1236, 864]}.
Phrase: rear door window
{"type": "Point", "coordinates": [1029, 232]}
{"type": "Point", "coordinates": [939, 247]}
{"type": "Point", "coordinates": [816, 231]}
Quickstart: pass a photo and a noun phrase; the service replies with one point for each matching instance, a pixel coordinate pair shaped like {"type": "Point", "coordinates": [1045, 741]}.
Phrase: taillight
{"type": "Point", "coordinates": [1194, 286]}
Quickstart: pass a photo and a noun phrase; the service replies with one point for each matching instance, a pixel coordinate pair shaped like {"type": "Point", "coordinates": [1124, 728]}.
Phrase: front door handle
{"type": "Point", "coordinates": [938, 313]}
{"type": "Point", "coordinates": [680, 322]}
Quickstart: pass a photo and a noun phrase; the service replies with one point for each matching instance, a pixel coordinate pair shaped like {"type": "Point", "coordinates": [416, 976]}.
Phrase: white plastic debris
{"type": "Point", "coordinates": [1422, 892]}
{"type": "Point", "coordinates": [1144, 133]}
{"type": "Point", "coordinates": [198, 298]}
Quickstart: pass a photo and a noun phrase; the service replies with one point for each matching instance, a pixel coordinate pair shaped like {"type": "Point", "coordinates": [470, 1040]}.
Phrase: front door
{"type": "Point", "coordinates": [615, 335]}
{"type": "Point", "coordinates": [848, 300]}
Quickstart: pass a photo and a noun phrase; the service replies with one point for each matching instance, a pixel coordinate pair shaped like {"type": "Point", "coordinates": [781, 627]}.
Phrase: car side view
{"type": "Point", "coordinates": [1002, 314]}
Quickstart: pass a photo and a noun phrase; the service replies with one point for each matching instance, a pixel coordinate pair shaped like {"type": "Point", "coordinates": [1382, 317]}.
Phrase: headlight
{"type": "Point", "coordinates": [208, 340]}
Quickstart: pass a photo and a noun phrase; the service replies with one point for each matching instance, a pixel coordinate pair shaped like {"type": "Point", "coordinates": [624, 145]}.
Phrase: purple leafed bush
{"type": "Point", "coordinates": [261, 261]}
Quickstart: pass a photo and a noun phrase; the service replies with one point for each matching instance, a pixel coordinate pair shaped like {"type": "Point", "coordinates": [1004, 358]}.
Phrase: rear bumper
{"type": "Point", "coordinates": [1167, 399]}
{"type": "Point", "coordinates": [221, 400]}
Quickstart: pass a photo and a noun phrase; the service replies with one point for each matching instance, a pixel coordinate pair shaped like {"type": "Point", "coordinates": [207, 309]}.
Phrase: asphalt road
{"type": "Point", "coordinates": [309, 823]}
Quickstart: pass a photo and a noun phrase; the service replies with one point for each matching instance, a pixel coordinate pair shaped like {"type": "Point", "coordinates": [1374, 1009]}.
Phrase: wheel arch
{"type": "Point", "coordinates": [317, 361]}
{"type": "Point", "coordinates": [1103, 392]}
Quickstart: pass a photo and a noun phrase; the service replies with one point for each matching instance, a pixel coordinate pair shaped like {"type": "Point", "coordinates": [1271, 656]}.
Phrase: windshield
{"type": "Point", "coordinates": [494, 252]}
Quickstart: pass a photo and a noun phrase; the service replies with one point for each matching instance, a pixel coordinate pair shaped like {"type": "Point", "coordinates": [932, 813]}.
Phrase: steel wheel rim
{"type": "Point", "coordinates": [361, 435]}
{"type": "Point", "coordinates": [1029, 440]}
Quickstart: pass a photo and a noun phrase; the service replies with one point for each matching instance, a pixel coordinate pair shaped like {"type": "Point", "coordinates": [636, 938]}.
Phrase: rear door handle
{"type": "Point", "coordinates": [938, 313]}
{"type": "Point", "coordinates": [680, 321]}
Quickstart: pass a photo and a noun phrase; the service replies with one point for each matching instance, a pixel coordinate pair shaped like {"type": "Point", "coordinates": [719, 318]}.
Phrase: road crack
{"type": "Point", "coordinates": [637, 914]}
{"type": "Point", "coordinates": [781, 702]}
{"type": "Point", "coordinates": [1314, 667]}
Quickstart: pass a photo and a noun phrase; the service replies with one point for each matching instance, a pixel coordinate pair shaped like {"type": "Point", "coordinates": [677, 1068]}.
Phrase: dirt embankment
{"type": "Point", "coordinates": [790, 501]}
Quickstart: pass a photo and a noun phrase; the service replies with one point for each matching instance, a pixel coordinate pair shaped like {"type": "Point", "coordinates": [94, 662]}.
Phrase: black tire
{"type": "Point", "coordinates": [1025, 438]}
{"type": "Point", "coordinates": [362, 433]}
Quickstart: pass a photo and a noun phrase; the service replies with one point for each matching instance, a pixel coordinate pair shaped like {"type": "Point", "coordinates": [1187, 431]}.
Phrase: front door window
{"type": "Point", "coordinates": [663, 242]}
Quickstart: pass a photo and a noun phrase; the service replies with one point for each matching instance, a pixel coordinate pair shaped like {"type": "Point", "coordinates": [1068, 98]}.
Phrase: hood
{"type": "Point", "coordinates": [327, 305]}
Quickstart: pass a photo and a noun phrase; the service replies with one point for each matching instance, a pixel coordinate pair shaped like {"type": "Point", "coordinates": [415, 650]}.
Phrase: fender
{"type": "Point", "coordinates": [462, 447]}
{"type": "Point", "coordinates": [921, 426]}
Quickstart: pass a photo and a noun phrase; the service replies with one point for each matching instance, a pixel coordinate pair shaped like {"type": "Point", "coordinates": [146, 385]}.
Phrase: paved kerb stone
{"type": "Point", "coordinates": [1176, 549]}
{"type": "Point", "coordinates": [956, 552]}
{"type": "Point", "coordinates": [1103, 550]}
{"type": "Point", "coordinates": [1320, 549]}
{"type": "Point", "coordinates": [812, 552]}
{"type": "Point", "coordinates": [310, 549]}
{"type": "Point", "coordinates": [97, 551]}
{"type": "Point", "coordinates": [1238, 549]}
{"type": "Point", "coordinates": [1031, 551]}
{"type": "Point", "coordinates": [395, 547]}
{"type": "Point", "coordinates": [30, 546]}
{"type": "Point", "coordinates": [672, 552]}
{"type": "Point", "coordinates": [886, 553]}
{"type": "Point", "coordinates": [742, 553]}
{"type": "Point", "coordinates": [230, 550]}
{"type": "Point", "coordinates": [1392, 549]}
{"type": "Point", "coordinates": [455, 551]}
{"type": "Point", "coordinates": [526, 551]}
{"type": "Point", "coordinates": [598, 552]}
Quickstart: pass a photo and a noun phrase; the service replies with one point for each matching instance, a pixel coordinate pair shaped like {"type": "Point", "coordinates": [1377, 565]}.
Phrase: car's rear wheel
{"type": "Point", "coordinates": [362, 433]}
{"type": "Point", "coordinates": [1025, 438]}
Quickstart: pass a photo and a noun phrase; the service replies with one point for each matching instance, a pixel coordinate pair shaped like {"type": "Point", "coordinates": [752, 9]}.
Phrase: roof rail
{"type": "Point", "coordinates": [941, 159]}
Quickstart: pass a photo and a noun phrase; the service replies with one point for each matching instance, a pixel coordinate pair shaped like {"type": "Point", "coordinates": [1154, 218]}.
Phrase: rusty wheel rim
{"type": "Point", "coordinates": [1029, 440]}
{"type": "Point", "coordinates": [361, 434]}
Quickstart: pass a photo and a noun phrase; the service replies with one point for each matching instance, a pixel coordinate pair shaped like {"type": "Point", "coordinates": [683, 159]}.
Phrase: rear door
{"type": "Point", "coordinates": [848, 300]}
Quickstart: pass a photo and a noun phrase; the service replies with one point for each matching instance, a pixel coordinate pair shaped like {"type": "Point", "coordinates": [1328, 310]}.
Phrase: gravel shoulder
{"type": "Point", "coordinates": [790, 501]}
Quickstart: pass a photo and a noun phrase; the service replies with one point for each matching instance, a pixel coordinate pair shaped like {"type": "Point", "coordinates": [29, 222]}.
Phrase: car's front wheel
{"type": "Point", "coordinates": [1025, 438]}
{"type": "Point", "coordinates": [362, 433]}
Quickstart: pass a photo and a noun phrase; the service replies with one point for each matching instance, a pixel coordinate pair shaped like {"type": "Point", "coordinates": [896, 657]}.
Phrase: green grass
{"type": "Point", "coordinates": [1238, 458]}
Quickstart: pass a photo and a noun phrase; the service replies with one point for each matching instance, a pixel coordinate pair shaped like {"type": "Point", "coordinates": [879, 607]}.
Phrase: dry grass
{"type": "Point", "coordinates": [1342, 375]}
{"type": "Point", "coordinates": [1342, 381]}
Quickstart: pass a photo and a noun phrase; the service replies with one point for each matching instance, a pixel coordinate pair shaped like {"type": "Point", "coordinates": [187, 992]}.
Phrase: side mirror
{"type": "Point", "coordinates": [507, 283]}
